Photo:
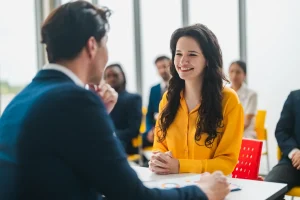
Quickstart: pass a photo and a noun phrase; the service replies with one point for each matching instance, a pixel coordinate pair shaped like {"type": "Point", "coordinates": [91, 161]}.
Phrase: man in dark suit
{"type": "Point", "coordinates": [288, 137]}
{"type": "Point", "coordinates": [162, 64]}
{"type": "Point", "coordinates": [127, 113]}
{"type": "Point", "coordinates": [56, 138]}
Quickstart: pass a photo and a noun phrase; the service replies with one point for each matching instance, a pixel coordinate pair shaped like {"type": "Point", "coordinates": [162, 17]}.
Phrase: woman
{"type": "Point", "coordinates": [127, 113]}
{"type": "Point", "coordinates": [200, 125]}
{"type": "Point", "coordinates": [248, 98]}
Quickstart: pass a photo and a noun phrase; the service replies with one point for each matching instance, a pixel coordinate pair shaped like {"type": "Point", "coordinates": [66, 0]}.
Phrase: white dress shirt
{"type": "Point", "coordinates": [66, 71]}
{"type": "Point", "coordinates": [248, 99]}
{"type": "Point", "coordinates": [163, 86]}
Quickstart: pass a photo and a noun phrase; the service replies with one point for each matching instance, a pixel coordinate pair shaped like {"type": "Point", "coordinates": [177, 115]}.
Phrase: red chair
{"type": "Point", "coordinates": [249, 160]}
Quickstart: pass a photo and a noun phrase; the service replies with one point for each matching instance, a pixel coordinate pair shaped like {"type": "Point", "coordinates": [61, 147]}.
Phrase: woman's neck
{"type": "Point", "coordinates": [236, 87]}
{"type": "Point", "coordinates": [192, 93]}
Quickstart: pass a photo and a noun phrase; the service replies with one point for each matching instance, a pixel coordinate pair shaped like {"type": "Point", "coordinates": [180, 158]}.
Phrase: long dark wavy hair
{"type": "Point", "coordinates": [210, 115]}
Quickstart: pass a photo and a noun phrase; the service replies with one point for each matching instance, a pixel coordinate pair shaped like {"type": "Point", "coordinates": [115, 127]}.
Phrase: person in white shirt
{"type": "Point", "coordinates": [248, 97]}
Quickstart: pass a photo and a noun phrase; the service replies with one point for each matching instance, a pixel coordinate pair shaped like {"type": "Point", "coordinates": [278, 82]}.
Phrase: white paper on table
{"type": "Point", "coordinates": [145, 175]}
{"type": "Point", "coordinates": [181, 182]}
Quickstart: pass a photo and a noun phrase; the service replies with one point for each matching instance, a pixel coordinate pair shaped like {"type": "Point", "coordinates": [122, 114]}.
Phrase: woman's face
{"type": "Point", "coordinates": [236, 74]}
{"type": "Point", "coordinates": [114, 77]}
{"type": "Point", "coordinates": [189, 60]}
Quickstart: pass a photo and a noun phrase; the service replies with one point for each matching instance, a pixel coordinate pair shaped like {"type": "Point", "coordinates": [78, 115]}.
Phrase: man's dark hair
{"type": "Point", "coordinates": [68, 28]}
{"type": "Point", "coordinates": [160, 58]}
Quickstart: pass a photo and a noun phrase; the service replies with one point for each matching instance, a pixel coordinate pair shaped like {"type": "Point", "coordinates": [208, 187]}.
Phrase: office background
{"type": "Point", "coordinates": [264, 33]}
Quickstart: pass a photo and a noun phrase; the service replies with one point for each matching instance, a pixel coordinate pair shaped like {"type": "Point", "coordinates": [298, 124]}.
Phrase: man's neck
{"type": "Point", "coordinates": [77, 68]}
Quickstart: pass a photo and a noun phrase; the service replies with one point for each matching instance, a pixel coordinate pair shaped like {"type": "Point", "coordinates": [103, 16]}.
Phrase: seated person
{"type": "Point", "coordinates": [56, 137]}
{"type": "Point", "coordinates": [127, 113]}
{"type": "Point", "coordinates": [163, 65]}
{"type": "Point", "coordinates": [287, 134]}
{"type": "Point", "coordinates": [248, 97]}
{"type": "Point", "coordinates": [200, 124]}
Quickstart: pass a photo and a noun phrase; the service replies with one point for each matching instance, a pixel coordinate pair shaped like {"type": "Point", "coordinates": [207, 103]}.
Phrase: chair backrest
{"type": "Point", "coordinates": [143, 124]}
{"type": "Point", "coordinates": [137, 141]}
{"type": "Point", "coordinates": [249, 160]}
{"type": "Point", "coordinates": [279, 153]}
{"type": "Point", "coordinates": [260, 120]}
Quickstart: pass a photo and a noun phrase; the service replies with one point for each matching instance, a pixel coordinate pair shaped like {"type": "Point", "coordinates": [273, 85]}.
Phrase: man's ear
{"type": "Point", "coordinates": [91, 47]}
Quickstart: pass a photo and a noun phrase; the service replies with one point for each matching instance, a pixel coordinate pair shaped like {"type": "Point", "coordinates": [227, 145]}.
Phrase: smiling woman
{"type": "Point", "coordinates": [198, 117]}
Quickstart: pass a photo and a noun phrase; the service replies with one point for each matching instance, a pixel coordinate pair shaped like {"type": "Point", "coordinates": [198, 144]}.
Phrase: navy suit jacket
{"type": "Point", "coordinates": [153, 106]}
{"type": "Point", "coordinates": [127, 117]}
{"type": "Point", "coordinates": [57, 142]}
{"type": "Point", "coordinates": [288, 127]}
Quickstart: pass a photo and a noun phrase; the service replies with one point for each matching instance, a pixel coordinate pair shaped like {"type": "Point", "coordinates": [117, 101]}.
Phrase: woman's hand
{"type": "Point", "coordinates": [163, 163]}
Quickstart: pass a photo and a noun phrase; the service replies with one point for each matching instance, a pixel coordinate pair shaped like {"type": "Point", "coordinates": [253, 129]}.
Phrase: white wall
{"type": "Point", "coordinates": [273, 56]}
{"type": "Point", "coordinates": [221, 17]}
{"type": "Point", "coordinates": [121, 38]}
{"type": "Point", "coordinates": [159, 19]}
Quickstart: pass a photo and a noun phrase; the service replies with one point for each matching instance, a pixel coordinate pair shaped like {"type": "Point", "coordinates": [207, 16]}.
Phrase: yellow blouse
{"type": "Point", "coordinates": [196, 157]}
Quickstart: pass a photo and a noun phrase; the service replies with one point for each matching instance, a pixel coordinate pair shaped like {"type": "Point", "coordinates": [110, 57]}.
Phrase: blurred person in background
{"type": "Point", "coordinates": [127, 113]}
{"type": "Point", "coordinates": [248, 97]}
{"type": "Point", "coordinates": [162, 64]}
{"type": "Point", "coordinates": [287, 134]}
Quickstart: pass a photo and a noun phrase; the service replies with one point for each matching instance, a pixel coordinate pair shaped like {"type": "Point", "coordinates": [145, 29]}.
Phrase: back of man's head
{"type": "Point", "coordinates": [68, 28]}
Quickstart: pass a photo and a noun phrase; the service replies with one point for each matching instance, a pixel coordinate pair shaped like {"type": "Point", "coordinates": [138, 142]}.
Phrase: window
{"type": "Point", "coordinates": [18, 48]}
{"type": "Point", "coordinates": [159, 19]}
{"type": "Point", "coordinates": [121, 38]}
{"type": "Point", "coordinates": [221, 17]}
{"type": "Point", "coordinates": [66, 1]}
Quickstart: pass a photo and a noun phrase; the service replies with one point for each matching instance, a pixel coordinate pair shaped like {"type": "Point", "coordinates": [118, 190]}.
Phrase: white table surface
{"type": "Point", "coordinates": [251, 190]}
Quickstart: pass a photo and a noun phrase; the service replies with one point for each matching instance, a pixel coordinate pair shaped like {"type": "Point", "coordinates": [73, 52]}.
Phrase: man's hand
{"type": "Point", "coordinates": [296, 160]}
{"type": "Point", "coordinates": [150, 135]}
{"type": "Point", "coordinates": [108, 95]}
{"type": "Point", "coordinates": [163, 163]}
{"type": "Point", "coordinates": [155, 116]}
{"type": "Point", "coordinates": [215, 185]}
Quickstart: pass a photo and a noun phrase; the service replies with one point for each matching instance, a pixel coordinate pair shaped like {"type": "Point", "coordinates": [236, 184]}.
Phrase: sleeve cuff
{"type": "Point", "coordinates": [292, 153]}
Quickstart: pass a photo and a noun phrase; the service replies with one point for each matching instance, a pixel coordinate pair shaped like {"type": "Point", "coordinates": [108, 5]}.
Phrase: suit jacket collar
{"type": "Point", "coordinates": [52, 75]}
{"type": "Point", "coordinates": [65, 71]}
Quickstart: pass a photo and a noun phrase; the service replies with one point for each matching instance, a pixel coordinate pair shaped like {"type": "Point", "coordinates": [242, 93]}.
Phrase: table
{"type": "Point", "coordinates": [251, 190]}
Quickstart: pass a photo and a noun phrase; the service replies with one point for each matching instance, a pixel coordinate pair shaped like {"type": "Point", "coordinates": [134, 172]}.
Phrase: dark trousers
{"type": "Point", "coordinates": [284, 173]}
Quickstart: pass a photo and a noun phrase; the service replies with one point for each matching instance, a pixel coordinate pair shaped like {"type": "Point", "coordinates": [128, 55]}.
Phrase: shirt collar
{"type": "Point", "coordinates": [65, 71]}
{"type": "Point", "coordinates": [242, 89]}
{"type": "Point", "coordinates": [163, 85]}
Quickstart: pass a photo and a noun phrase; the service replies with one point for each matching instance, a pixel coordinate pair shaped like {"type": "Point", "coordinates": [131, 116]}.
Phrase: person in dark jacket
{"type": "Point", "coordinates": [162, 64]}
{"type": "Point", "coordinates": [127, 113]}
{"type": "Point", "coordinates": [287, 134]}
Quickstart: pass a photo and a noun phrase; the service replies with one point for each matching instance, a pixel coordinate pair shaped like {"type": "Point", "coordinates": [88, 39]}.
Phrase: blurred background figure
{"type": "Point", "coordinates": [127, 113]}
{"type": "Point", "coordinates": [248, 97]}
{"type": "Point", "coordinates": [163, 67]}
